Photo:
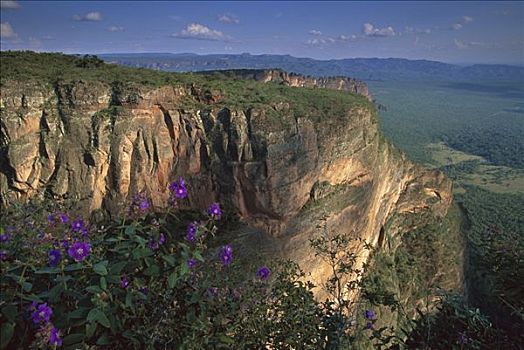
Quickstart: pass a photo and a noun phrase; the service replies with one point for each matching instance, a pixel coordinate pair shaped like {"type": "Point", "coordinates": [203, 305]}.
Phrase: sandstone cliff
{"type": "Point", "coordinates": [298, 80]}
{"type": "Point", "coordinates": [282, 164]}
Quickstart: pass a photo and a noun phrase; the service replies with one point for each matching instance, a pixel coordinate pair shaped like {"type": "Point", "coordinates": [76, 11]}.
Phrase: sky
{"type": "Point", "coordinates": [447, 31]}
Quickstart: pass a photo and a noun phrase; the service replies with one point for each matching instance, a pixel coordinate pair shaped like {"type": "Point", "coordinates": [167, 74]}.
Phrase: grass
{"type": "Point", "coordinates": [500, 179]}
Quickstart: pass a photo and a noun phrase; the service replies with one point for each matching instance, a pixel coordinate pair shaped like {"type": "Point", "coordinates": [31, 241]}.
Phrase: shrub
{"type": "Point", "coordinates": [140, 283]}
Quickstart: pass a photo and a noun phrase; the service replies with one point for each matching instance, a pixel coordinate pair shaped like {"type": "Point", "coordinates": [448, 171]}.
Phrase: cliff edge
{"type": "Point", "coordinates": [280, 157]}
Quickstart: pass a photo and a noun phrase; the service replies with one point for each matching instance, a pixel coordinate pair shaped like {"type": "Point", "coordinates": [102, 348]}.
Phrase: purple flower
{"type": "Point", "coordinates": [51, 218]}
{"type": "Point", "coordinates": [5, 237]}
{"type": "Point", "coordinates": [191, 232]}
{"type": "Point", "coordinates": [143, 290]}
{"type": "Point", "coordinates": [78, 225]}
{"type": "Point", "coordinates": [369, 314]}
{"type": "Point", "coordinates": [212, 291]}
{"type": "Point", "coordinates": [54, 337]}
{"type": "Point", "coordinates": [144, 204]}
{"type": "Point", "coordinates": [42, 314]}
{"type": "Point", "coordinates": [463, 339]}
{"type": "Point", "coordinates": [139, 204]}
{"type": "Point", "coordinates": [54, 257]}
{"type": "Point", "coordinates": [226, 255]}
{"type": "Point", "coordinates": [178, 188]}
{"type": "Point", "coordinates": [214, 210]}
{"type": "Point", "coordinates": [191, 263]}
{"type": "Point", "coordinates": [79, 251]}
{"type": "Point", "coordinates": [124, 283]}
{"type": "Point", "coordinates": [369, 325]}
{"type": "Point", "coordinates": [65, 243]}
{"type": "Point", "coordinates": [3, 255]}
{"type": "Point", "coordinates": [263, 273]}
{"type": "Point", "coordinates": [63, 218]}
{"type": "Point", "coordinates": [153, 245]}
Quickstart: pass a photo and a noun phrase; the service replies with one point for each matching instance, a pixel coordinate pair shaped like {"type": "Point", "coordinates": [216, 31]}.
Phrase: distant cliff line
{"type": "Point", "coordinates": [400, 69]}
{"type": "Point", "coordinates": [279, 76]}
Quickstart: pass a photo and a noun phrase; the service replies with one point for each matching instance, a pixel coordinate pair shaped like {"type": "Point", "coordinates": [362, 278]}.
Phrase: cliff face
{"type": "Point", "coordinates": [297, 80]}
{"type": "Point", "coordinates": [97, 145]}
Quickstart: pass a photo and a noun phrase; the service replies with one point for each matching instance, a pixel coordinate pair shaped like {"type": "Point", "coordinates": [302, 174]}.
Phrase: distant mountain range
{"type": "Point", "coordinates": [361, 68]}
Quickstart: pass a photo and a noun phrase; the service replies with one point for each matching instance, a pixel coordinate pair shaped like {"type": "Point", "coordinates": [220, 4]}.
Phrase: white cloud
{"type": "Point", "coordinates": [320, 41]}
{"type": "Point", "coordinates": [347, 37]}
{"type": "Point", "coordinates": [9, 4]}
{"type": "Point", "coordinates": [48, 37]}
{"type": "Point", "coordinates": [369, 30]}
{"type": "Point", "coordinates": [467, 19]}
{"type": "Point", "coordinates": [411, 30]}
{"type": "Point", "coordinates": [7, 32]}
{"type": "Point", "coordinates": [457, 26]}
{"type": "Point", "coordinates": [461, 44]}
{"type": "Point", "coordinates": [201, 32]}
{"type": "Point", "coordinates": [315, 32]}
{"type": "Point", "coordinates": [89, 17]}
{"type": "Point", "coordinates": [116, 29]}
{"type": "Point", "coordinates": [472, 44]}
{"type": "Point", "coordinates": [230, 19]}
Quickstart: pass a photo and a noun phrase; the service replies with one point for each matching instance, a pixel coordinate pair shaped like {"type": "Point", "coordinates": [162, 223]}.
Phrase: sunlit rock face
{"type": "Point", "coordinates": [298, 80]}
{"type": "Point", "coordinates": [98, 145]}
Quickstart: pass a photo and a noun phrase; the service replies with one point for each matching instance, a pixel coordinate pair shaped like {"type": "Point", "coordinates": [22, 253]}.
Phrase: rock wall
{"type": "Point", "coordinates": [97, 145]}
{"type": "Point", "coordinates": [297, 80]}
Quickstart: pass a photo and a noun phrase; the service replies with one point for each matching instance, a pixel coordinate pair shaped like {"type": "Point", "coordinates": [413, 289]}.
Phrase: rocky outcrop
{"type": "Point", "coordinates": [97, 145]}
{"type": "Point", "coordinates": [297, 80]}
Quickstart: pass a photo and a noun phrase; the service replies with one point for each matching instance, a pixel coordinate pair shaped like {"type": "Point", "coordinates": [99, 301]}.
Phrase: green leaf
{"type": "Point", "coordinates": [142, 253]}
{"type": "Point", "coordinates": [6, 332]}
{"type": "Point", "coordinates": [170, 259]}
{"type": "Point", "coordinates": [152, 270]}
{"type": "Point", "coordinates": [103, 283]}
{"type": "Point", "coordinates": [183, 246]}
{"type": "Point", "coordinates": [27, 286]}
{"type": "Point", "coordinates": [130, 230]}
{"type": "Point", "coordinates": [129, 300]}
{"type": "Point", "coordinates": [226, 340]}
{"type": "Point", "coordinates": [171, 280]}
{"type": "Point", "coordinates": [10, 311]}
{"type": "Point", "coordinates": [55, 292]}
{"type": "Point", "coordinates": [47, 270]}
{"type": "Point", "coordinates": [198, 255]}
{"type": "Point", "coordinates": [117, 268]}
{"type": "Point", "coordinates": [90, 329]}
{"type": "Point", "coordinates": [73, 338]}
{"type": "Point", "coordinates": [32, 298]}
{"type": "Point", "coordinates": [94, 289]}
{"type": "Point", "coordinates": [139, 240]}
{"type": "Point", "coordinates": [100, 268]}
{"type": "Point", "coordinates": [79, 313]}
{"type": "Point", "coordinates": [74, 267]}
{"type": "Point", "coordinates": [103, 340]}
{"type": "Point", "coordinates": [98, 316]}
{"type": "Point", "coordinates": [184, 269]}
{"type": "Point", "coordinates": [113, 279]}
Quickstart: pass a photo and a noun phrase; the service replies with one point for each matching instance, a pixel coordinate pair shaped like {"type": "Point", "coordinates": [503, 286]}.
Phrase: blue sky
{"type": "Point", "coordinates": [456, 32]}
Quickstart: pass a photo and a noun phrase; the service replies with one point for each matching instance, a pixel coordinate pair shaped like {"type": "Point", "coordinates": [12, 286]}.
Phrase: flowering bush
{"type": "Point", "coordinates": [150, 281]}
{"type": "Point", "coordinates": [164, 281]}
